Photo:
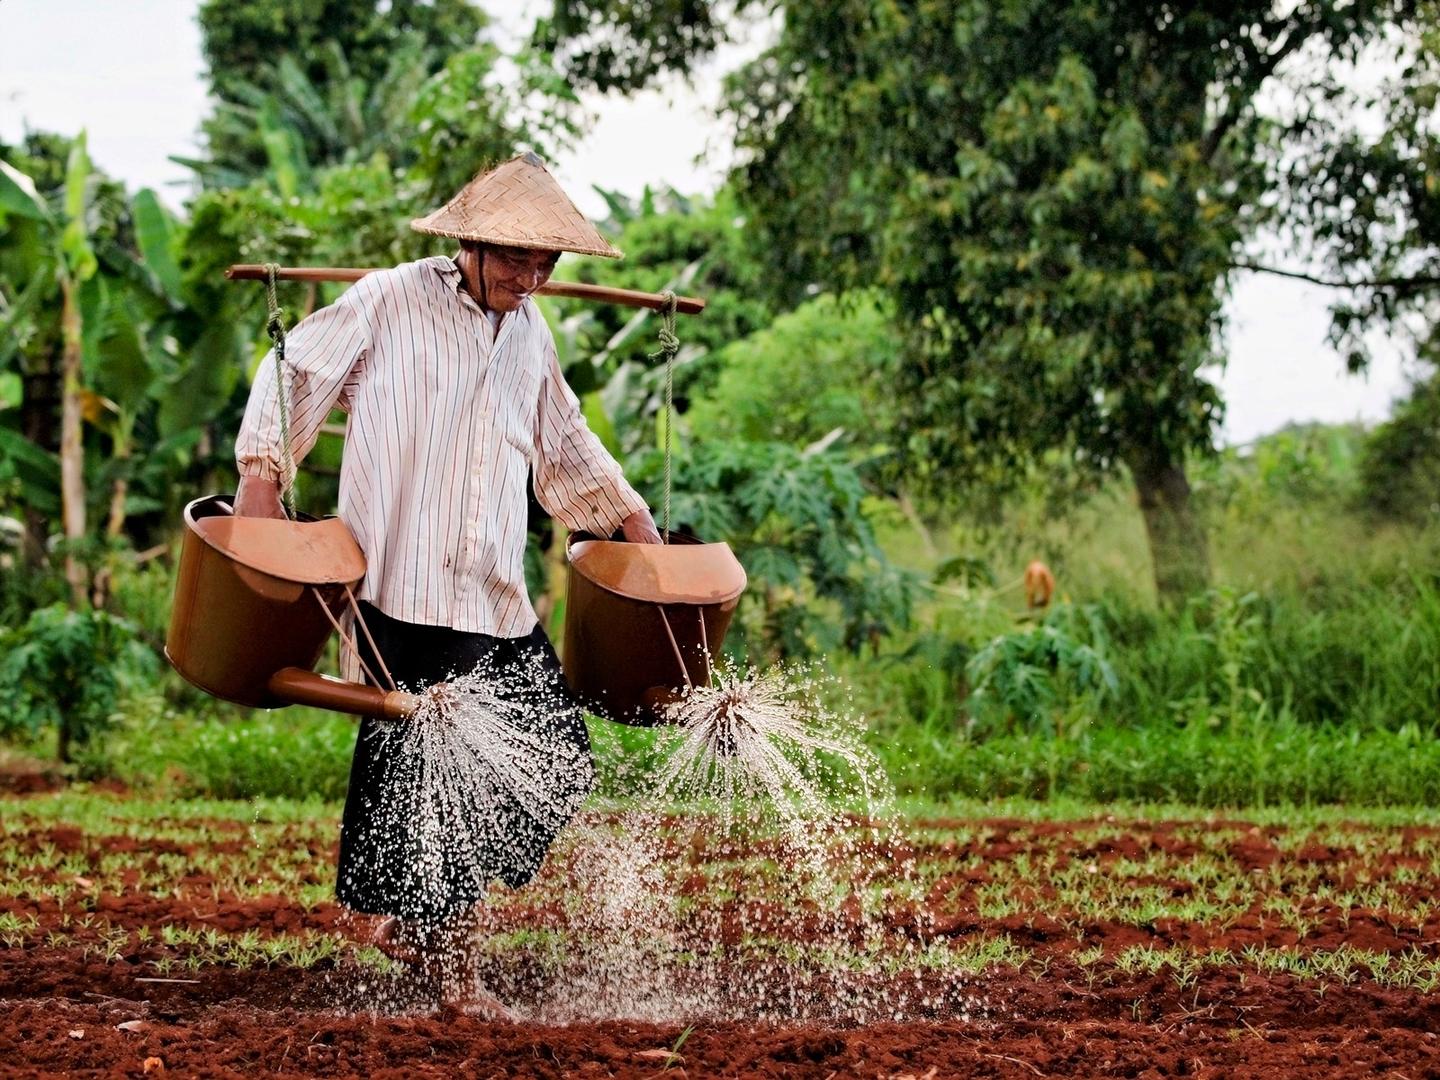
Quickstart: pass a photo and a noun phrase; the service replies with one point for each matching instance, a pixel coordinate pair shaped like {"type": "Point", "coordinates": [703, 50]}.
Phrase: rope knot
{"type": "Point", "coordinates": [669, 342]}
{"type": "Point", "coordinates": [274, 314]}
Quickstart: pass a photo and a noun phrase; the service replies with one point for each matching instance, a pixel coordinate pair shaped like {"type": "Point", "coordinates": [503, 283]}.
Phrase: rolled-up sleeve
{"type": "Point", "coordinates": [576, 479]}
{"type": "Point", "coordinates": [324, 354]}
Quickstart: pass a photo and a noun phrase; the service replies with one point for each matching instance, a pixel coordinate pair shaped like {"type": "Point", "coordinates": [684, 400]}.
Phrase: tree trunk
{"type": "Point", "coordinates": [1179, 548]}
{"type": "Point", "coordinates": [40, 398]}
{"type": "Point", "coordinates": [912, 515]}
{"type": "Point", "coordinates": [116, 524]}
{"type": "Point", "coordinates": [63, 740]}
{"type": "Point", "coordinates": [72, 449]}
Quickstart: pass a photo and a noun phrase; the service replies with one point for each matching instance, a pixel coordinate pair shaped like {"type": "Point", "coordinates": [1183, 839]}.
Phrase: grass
{"type": "Point", "coordinates": [230, 753]}
{"type": "Point", "coordinates": [1307, 676]}
{"type": "Point", "coordinates": [1282, 763]}
{"type": "Point", "coordinates": [1408, 970]}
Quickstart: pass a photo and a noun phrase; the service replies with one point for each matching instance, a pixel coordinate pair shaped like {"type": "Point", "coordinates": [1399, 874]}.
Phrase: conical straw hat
{"type": "Point", "coordinates": [517, 204]}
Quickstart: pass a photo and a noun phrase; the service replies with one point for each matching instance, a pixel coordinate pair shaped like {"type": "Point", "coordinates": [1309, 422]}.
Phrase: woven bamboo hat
{"type": "Point", "coordinates": [517, 204]}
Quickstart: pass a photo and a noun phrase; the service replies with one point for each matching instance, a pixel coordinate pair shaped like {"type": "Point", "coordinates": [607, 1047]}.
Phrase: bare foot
{"type": "Point", "coordinates": [450, 958]}
{"type": "Point", "coordinates": [479, 1003]}
{"type": "Point", "coordinates": [391, 939]}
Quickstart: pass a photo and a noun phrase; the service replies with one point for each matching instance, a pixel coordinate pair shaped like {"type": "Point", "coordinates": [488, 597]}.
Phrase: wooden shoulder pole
{"type": "Point", "coordinates": [574, 290]}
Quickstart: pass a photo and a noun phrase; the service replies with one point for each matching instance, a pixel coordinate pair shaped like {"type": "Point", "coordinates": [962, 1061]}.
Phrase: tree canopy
{"type": "Point", "coordinates": [1054, 195]}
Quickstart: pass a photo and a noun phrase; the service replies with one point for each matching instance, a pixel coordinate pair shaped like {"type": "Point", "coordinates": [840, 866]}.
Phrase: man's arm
{"type": "Point", "coordinates": [258, 497]}
{"type": "Point", "coordinates": [576, 479]}
{"type": "Point", "coordinates": [322, 352]}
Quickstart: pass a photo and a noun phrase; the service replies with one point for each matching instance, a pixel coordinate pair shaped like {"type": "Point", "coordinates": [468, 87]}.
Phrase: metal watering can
{"type": "Point", "coordinates": [255, 601]}
{"type": "Point", "coordinates": [642, 621]}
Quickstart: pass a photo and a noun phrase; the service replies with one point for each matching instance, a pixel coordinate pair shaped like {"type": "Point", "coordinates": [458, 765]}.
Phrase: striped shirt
{"type": "Point", "coordinates": [448, 416]}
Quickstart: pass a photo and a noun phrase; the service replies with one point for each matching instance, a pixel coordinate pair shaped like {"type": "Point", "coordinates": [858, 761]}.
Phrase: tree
{"type": "Point", "coordinates": [440, 120]}
{"type": "Point", "coordinates": [1055, 195]}
{"type": "Point", "coordinates": [64, 669]}
{"type": "Point", "coordinates": [822, 371]}
{"type": "Point", "coordinates": [61, 254]}
{"type": "Point", "coordinates": [244, 44]}
{"type": "Point", "coordinates": [796, 520]}
{"type": "Point", "coordinates": [670, 242]}
{"type": "Point", "coordinates": [1365, 200]}
{"type": "Point", "coordinates": [624, 44]}
{"type": "Point", "coordinates": [108, 346]}
{"type": "Point", "coordinates": [1400, 461]}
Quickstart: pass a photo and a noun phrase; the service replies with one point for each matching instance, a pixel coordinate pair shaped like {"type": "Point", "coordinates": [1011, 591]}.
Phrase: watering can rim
{"type": "Point", "coordinates": [691, 572]}
{"type": "Point", "coordinates": [307, 552]}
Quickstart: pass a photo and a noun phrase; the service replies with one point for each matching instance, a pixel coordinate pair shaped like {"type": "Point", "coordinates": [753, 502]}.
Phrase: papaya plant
{"type": "Point", "coordinates": [64, 670]}
{"type": "Point", "coordinates": [797, 521]}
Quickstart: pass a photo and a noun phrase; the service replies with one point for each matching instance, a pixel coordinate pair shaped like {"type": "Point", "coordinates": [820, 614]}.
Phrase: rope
{"type": "Point", "coordinates": [374, 649]}
{"type": "Point", "coordinates": [349, 642]}
{"type": "Point", "coordinates": [275, 327]}
{"type": "Point", "coordinates": [669, 346]}
{"type": "Point", "coordinates": [675, 646]}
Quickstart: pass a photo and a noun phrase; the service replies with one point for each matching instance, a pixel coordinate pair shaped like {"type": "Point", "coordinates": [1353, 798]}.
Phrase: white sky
{"type": "Point", "coordinates": [129, 71]}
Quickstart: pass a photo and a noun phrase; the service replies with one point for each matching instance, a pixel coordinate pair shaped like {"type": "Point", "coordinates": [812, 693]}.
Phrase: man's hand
{"type": "Point", "coordinates": [639, 528]}
{"type": "Point", "coordinates": [258, 497]}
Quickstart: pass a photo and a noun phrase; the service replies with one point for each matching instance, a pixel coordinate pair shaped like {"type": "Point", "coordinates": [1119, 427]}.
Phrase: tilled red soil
{"type": "Point", "coordinates": [63, 997]}
{"type": "Point", "coordinates": [272, 1023]}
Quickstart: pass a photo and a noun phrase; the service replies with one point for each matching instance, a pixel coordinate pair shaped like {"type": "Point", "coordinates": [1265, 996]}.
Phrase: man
{"type": "Point", "coordinates": [455, 397]}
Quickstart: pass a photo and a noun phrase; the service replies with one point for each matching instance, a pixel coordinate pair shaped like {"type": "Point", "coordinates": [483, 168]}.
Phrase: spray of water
{"type": "Point", "coordinates": [751, 871]}
{"type": "Point", "coordinates": [763, 738]}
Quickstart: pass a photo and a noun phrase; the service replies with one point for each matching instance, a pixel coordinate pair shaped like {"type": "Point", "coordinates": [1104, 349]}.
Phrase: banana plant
{"type": "Point", "coordinates": [142, 350]}
{"type": "Point", "coordinates": [66, 259]}
{"type": "Point", "coordinates": [304, 123]}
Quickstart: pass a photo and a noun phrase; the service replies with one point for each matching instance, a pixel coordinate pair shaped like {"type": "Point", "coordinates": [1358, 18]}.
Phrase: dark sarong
{"type": "Point", "coordinates": [384, 869]}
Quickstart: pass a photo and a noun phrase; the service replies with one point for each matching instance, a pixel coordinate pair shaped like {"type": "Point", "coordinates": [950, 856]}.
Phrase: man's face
{"type": "Point", "coordinates": [509, 274]}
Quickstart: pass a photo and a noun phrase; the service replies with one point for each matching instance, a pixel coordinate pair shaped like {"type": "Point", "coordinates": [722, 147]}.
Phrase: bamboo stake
{"type": "Point", "coordinates": [574, 290]}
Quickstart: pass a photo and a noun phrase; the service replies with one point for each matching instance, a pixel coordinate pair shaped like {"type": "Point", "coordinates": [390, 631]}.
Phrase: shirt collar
{"type": "Point", "coordinates": [449, 272]}
{"type": "Point", "coordinates": [446, 267]}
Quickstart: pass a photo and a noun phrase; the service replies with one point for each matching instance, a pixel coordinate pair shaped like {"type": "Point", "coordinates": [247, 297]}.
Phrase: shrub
{"type": "Point", "coordinates": [798, 523]}
{"type": "Point", "coordinates": [1030, 677]}
{"type": "Point", "coordinates": [234, 753]}
{"type": "Point", "coordinates": [65, 669]}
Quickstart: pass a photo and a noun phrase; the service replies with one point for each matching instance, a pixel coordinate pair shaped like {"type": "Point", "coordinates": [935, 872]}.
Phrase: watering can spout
{"type": "Point", "coordinates": [299, 686]}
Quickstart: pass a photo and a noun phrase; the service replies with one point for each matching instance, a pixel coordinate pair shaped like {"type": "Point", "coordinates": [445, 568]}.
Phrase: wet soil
{"type": "Point", "coordinates": [69, 1008]}
{"type": "Point", "coordinates": [278, 1023]}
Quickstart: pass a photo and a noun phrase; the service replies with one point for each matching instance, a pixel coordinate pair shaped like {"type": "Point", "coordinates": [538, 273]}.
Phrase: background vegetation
{"type": "Point", "coordinates": [990, 336]}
